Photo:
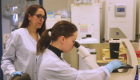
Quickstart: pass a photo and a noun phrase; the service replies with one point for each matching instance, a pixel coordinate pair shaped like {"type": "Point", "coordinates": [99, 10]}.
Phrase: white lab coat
{"type": "Point", "coordinates": [19, 54]}
{"type": "Point", "coordinates": [53, 68]}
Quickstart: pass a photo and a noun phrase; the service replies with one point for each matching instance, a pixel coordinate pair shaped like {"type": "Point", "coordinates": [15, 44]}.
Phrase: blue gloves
{"type": "Point", "coordinates": [114, 65]}
{"type": "Point", "coordinates": [17, 73]}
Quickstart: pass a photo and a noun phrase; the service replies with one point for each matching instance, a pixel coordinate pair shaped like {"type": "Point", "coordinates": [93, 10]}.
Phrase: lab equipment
{"type": "Point", "coordinates": [65, 14]}
{"type": "Point", "coordinates": [93, 53]}
{"type": "Point", "coordinates": [114, 65]}
{"type": "Point", "coordinates": [14, 18]}
{"type": "Point", "coordinates": [114, 50]}
{"type": "Point", "coordinates": [50, 15]}
{"type": "Point", "coordinates": [120, 10]}
{"type": "Point", "coordinates": [17, 73]}
{"type": "Point", "coordinates": [91, 62]}
{"type": "Point", "coordinates": [88, 39]}
{"type": "Point", "coordinates": [7, 12]}
{"type": "Point", "coordinates": [87, 19]}
{"type": "Point", "coordinates": [130, 72]}
{"type": "Point", "coordinates": [120, 14]}
{"type": "Point", "coordinates": [86, 56]}
{"type": "Point", "coordinates": [116, 33]}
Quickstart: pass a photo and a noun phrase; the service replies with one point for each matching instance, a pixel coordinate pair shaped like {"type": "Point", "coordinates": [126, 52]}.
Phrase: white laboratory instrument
{"type": "Point", "coordinates": [86, 56]}
{"type": "Point", "coordinates": [120, 14]}
{"type": "Point", "coordinates": [87, 19]}
{"type": "Point", "coordinates": [127, 74]}
{"type": "Point", "coordinates": [130, 74]}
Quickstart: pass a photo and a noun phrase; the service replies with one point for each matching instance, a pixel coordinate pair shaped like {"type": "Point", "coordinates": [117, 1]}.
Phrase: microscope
{"type": "Point", "coordinates": [129, 72]}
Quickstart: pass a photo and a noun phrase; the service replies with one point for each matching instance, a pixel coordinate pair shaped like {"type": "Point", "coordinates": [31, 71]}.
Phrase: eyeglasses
{"type": "Point", "coordinates": [39, 16]}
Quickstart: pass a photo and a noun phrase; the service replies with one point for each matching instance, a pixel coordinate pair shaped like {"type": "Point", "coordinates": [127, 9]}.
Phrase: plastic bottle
{"type": "Point", "coordinates": [48, 15]}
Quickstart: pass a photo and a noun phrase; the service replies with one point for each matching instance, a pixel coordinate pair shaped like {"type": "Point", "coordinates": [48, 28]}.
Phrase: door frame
{"type": "Point", "coordinates": [41, 2]}
{"type": "Point", "coordinates": [1, 73]}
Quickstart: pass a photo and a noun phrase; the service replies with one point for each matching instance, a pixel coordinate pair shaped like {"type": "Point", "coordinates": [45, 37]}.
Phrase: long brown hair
{"type": "Point", "coordinates": [61, 28]}
{"type": "Point", "coordinates": [31, 10]}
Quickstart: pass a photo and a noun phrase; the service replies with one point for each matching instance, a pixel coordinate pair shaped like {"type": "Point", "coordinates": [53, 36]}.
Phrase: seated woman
{"type": "Point", "coordinates": [53, 67]}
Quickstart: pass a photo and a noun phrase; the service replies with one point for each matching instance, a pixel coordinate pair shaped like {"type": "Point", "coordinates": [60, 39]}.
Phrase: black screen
{"type": "Point", "coordinates": [120, 9]}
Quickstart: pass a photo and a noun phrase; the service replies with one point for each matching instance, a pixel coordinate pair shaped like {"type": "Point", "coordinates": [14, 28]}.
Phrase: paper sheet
{"type": "Point", "coordinates": [83, 28]}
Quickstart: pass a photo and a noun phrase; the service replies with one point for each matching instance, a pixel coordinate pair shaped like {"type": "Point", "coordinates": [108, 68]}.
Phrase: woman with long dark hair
{"type": "Point", "coordinates": [19, 56]}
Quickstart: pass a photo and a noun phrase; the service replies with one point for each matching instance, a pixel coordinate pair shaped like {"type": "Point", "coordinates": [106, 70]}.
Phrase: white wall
{"type": "Point", "coordinates": [53, 5]}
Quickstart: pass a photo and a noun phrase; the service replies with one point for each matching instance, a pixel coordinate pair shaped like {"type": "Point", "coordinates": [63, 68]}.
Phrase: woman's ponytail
{"type": "Point", "coordinates": [43, 42]}
{"type": "Point", "coordinates": [61, 28]}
